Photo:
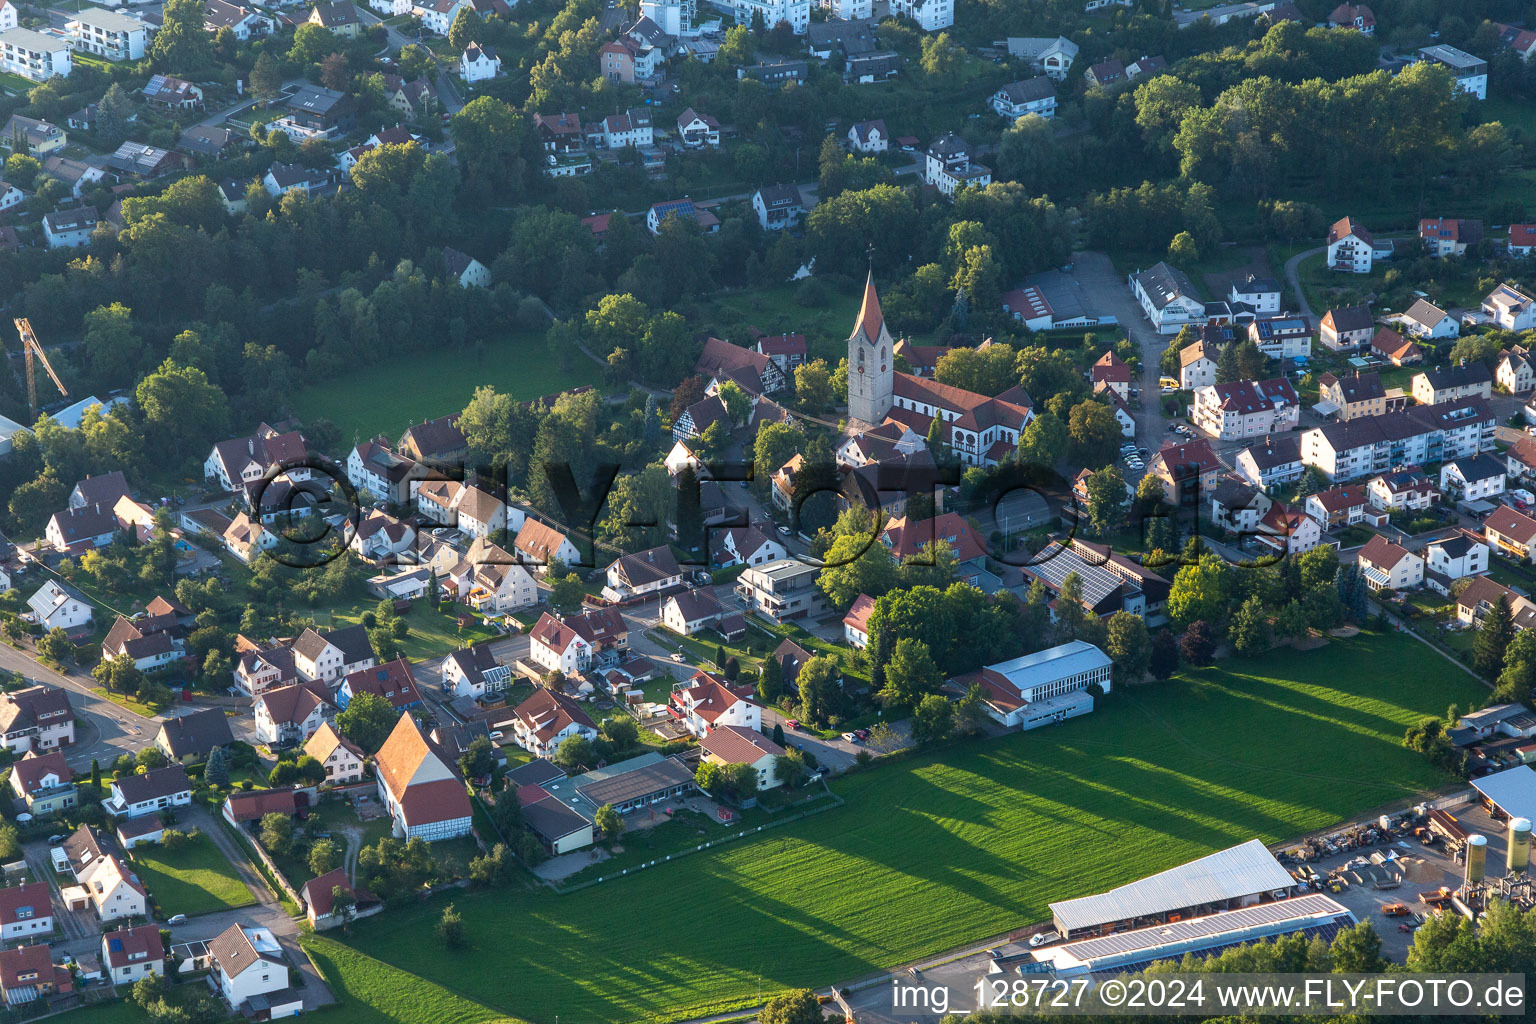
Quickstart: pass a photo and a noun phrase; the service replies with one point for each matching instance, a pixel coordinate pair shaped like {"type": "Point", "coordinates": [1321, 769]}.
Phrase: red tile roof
{"type": "Point", "coordinates": [736, 745]}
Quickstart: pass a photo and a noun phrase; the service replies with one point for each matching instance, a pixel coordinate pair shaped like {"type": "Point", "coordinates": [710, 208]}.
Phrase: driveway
{"type": "Point", "coordinates": [1293, 279]}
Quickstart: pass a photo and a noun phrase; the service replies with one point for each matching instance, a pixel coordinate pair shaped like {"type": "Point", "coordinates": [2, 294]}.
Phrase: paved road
{"type": "Point", "coordinates": [1294, 280]}
{"type": "Point", "coordinates": [395, 41]}
{"type": "Point", "coordinates": [1099, 278]}
{"type": "Point", "coordinates": [102, 729]}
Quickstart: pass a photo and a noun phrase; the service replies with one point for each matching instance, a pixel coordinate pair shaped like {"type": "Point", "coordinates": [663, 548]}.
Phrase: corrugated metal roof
{"type": "Point", "coordinates": [1239, 871]}
{"type": "Point", "coordinates": [1200, 933]}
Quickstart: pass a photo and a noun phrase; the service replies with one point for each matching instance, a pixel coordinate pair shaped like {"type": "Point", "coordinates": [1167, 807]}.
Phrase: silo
{"type": "Point", "coordinates": [1519, 856]}
{"type": "Point", "coordinates": [1477, 858]}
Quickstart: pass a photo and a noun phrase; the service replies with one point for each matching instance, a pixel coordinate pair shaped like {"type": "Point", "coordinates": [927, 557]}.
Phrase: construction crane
{"type": "Point", "coordinates": [31, 349]}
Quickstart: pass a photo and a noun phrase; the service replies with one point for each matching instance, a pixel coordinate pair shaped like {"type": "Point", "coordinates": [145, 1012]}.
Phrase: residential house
{"type": "Point", "coordinates": [629, 60]}
{"type": "Point", "coordinates": [106, 882]}
{"type": "Point", "coordinates": [134, 796]}
{"type": "Point", "coordinates": [1167, 297]}
{"type": "Point", "coordinates": [1187, 470]}
{"type": "Point", "coordinates": [247, 968]}
{"type": "Point", "coordinates": [781, 591]}
{"type": "Point", "coordinates": [732, 745]}
{"type": "Point", "coordinates": [373, 468]}
{"type": "Point", "coordinates": [75, 531]}
{"type": "Point", "coordinates": [1111, 372]}
{"type": "Point", "coordinates": [257, 671]}
{"type": "Point", "coordinates": [1051, 56]}
{"type": "Point", "coordinates": [1391, 347]}
{"type": "Point", "coordinates": [1028, 96]}
{"type": "Point", "coordinates": [573, 644]}
{"type": "Point", "coordinates": [1448, 236]}
{"type": "Point", "coordinates": [1389, 566]}
{"type": "Point", "coordinates": [1247, 408]}
{"type": "Point", "coordinates": [1351, 247]}
{"type": "Point", "coordinates": [292, 714]}
{"type": "Point", "coordinates": [1452, 383]}
{"type": "Point", "coordinates": [233, 464]}
{"type": "Point", "coordinates": [281, 179]}
{"type": "Point", "coordinates": [474, 672]}
{"type": "Point", "coordinates": [1511, 533]}
{"type": "Point", "coordinates": [8, 16]}
{"type": "Point", "coordinates": [744, 545]}
{"type": "Point", "coordinates": [319, 897]}
{"type": "Point", "coordinates": [1271, 462]}
{"type": "Point", "coordinates": [869, 137]}
{"type": "Point", "coordinates": [1282, 337]}
{"type": "Point", "coordinates": [1402, 490]}
{"type": "Point", "coordinates": [1510, 308]}
{"type": "Point", "coordinates": [1471, 73]}
{"type": "Point", "coordinates": [490, 580]}
{"type": "Point", "coordinates": [1426, 320]}
{"type": "Point", "coordinates": [57, 605]}
{"type": "Point", "coordinates": [419, 787]}
{"type": "Point", "coordinates": [1477, 478]}
{"type": "Point", "coordinates": [438, 441]}
{"type": "Point", "coordinates": [752, 371]}
{"type": "Point", "coordinates": [547, 719]}
{"type": "Point", "coordinates": [28, 973]}
{"type": "Point", "coordinates": [145, 162]}
{"type": "Point", "coordinates": [45, 783]}
{"type": "Point", "coordinates": [1479, 597]}
{"type": "Point", "coordinates": [776, 73]}
{"type": "Point", "coordinates": [437, 16]}
{"type": "Point", "coordinates": [479, 63]}
{"type": "Point", "coordinates": [1352, 397]}
{"type": "Point", "coordinates": [1197, 367]}
{"type": "Point", "coordinates": [343, 760]}
{"type": "Point", "coordinates": [794, 13]}
{"type": "Point", "coordinates": [381, 538]}
{"type": "Point", "coordinates": [1259, 294]}
{"type": "Point", "coordinates": [1107, 74]}
{"type": "Point", "coordinates": [26, 911]}
{"type": "Point", "coordinates": [34, 56]}
{"type": "Point", "coordinates": [108, 34]}
{"type": "Point", "coordinates": [1522, 237]}
{"type": "Point", "coordinates": [778, 207]}
{"type": "Point", "coordinates": [1355, 16]}
{"type": "Point", "coordinates": [538, 545]}
{"type": "Point", "coordinates": [481, 514]}
{"type": "Point", "coordinates": [1288, 530]}
{"type": "Point", "coordinates": [695, 129]}
{"type": "Point", "coordinates": [682, 209]}
{"type": "Point", "coordinates": [245, 22]}
{"type": "Point", "coordinates": [66, 229]}
{"type": "Point", "coordinates": [641, 574]}
{"type": "Point", "coordinates": [631, 128]}
{"type": "Point", "coordinates": [1448, 559]}
{"type": "Point", "coordinates": [948, 166]}
{"type": "Point", "coordinates": [1522, 41]}
{"type": "Point", "coordinates": [168, 92]}
{"type": "Point", "coordinates": [1347, 328]}
{"type": "Point", "coordinates": [327, 657]}
{"type": "Point", "coordinates": [148, 641]}
{"type": "Point", "coordinates": [1339, 506]}
{"type": "Point", "coordinates": [42, 138]}
{"type": "Point", "coordinates": [705, 703]}
{"type": "Point", "coordinates": [246, 807]}
{"type": "Point", "coordinates": [194, 735]}
{"type": "Point", "coordinates": [1145, 66]}
{"type": "Point", "coordinates": [393, 681]}
{"type": "Point", "coordinates": [690, 611]}
{"type": "Point", "coordinates": [315, 112]}
{"type": "Point", "coordinates": [856, 622]}
{"type": "Point", "coordinates": [786, 350]}
{"type": "Point", "coordinates": [129, 954]}
{"type": "Point", "coordinates": [1515, 371]}
{"type": "Point", "coordinates": [339, 16]}
{"type": "Point", "coordinates": [1520, 459]}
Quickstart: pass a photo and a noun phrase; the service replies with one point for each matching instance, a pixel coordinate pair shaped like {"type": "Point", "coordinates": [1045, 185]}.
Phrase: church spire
{"type": "Point", "coordinates": [871, 319]}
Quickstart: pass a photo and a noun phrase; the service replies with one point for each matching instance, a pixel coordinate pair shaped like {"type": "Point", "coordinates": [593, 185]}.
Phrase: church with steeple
{"type": "Point", "coordinates": [871, 363]}
{"type": "Point", "coordinates": [982, 430]}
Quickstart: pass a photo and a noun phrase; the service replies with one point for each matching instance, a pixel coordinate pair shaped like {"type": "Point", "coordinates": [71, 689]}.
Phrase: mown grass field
{"type": "Point", "coordinates": [372, 992]}
{"type": "Point", "coordinates": [953, 846]}
{"type": "Point", "coordinates": [196, 879]}
{"type": "Point", "coordinates": [387, 396]}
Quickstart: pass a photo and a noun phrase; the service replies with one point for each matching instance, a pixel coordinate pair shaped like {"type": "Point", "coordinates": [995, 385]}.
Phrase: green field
{"type": "Point", "coordinates": [954, 846]}
{"type": "Point", "coordinates": [196, 879]}
{"type": "Point", "coordinates": [371, 991]}
{"type": "Point", "coordinates": [773, 310]}
{"type": "Point", "coordinates": [390, 395]}
{"type": "Point", "coordinates": [433, 634]}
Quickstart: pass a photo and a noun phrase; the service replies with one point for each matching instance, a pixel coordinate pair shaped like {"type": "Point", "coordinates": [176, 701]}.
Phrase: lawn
{"type": "Point", "coordinates": [953, 846]}
{"type": "Point", "coordinates": [371, 992]}
{"type": "Point", "coordinates": [434, 632]}
{"type": "Point", "coordinates": [196, 879]}
{"type": "Point", "coordinates": [515, 364]}
{"type": "Point", "coordinates": [774, 310]}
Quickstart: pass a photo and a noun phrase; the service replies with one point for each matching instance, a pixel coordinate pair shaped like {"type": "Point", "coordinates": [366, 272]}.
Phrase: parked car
{"type": "Point", "coordinates": [178, 919]}
{"type": "Point", "coordinates": [1395, 909]}
{"type": "Point", "coordinates": [784, 530]}
{"type": "Point", "coordinates": [849, 737]}
{"type": "Point", "coordinates": [793, 723]}
{"type": "Point", "coordinates": [55, 839]}
{"type": "Point", "coordinates": [862, 734]}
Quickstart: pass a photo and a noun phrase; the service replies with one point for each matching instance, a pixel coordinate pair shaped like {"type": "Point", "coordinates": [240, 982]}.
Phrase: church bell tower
{"type": "Point", "coordinates": [871, 362]}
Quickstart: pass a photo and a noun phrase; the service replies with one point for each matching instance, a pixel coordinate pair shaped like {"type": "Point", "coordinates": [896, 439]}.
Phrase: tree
{"type": "Point", "coordinates": [738, 405]}
{"type": "Point", "coordinates": [343, 904]}
{"type": "Point", "coordinates": [1357, 950]}
{"type": "Point", "coordinates": [1129, 647]}
{"type": "Point", "coordinates": [1165, 655]}
{"type": "Point", "coordinates": [1197, 646]}
{"type": "Point", "coordinates": [450, 928]}
{"type": "Point", "coordinates": [467, 28]}
{"type": "Point", "coordinates": [266, 78]}
{"type": "Point", "coordinates": [336, 72]}
{"type": "Point", "coordinates": [1199, 592]}
{"type": "Point", "coordinates": [182, 44]}
{"type": "Point", "coordinates": [910, 674]}
{"type": "Point", "coordinates": [1106, 499]}
{"type": "Point", "coordinates": [1044, 441]}
{"type": "Point", "coordinates": [323, 857]}
{"type": "Point", "coordinates": [180, 405]}
{"type": "Point", "coordinates": [478, 760]}
{"type": "Point", "coordinates": [621, 731]}
{"type": "Point", "coordinates": [311, 43]}
{"type": "Point", "coordinates": [609, 822]}
{"type": "Point", "coordinates": [1493, 639]}
{"type": "Point", "coordinates": [813, 387]}
{"type": "Point", "coordinates": [147, 991]}
{"type": "Point", "coordinates": [971, 714]}
{"type": "Point", "coordinates": [1095, 433]}
{"type": "Point", "coordinates": [789, 768]}
{"type": "Point", "coordinates": [798, 1006]}
{"type": "Point", "coordinates": [216, 770]}
{"type": "Point", "coordinates": [151, 758]}
{"type": "Point", "coordinates": [1183, 250]}
{"type": "Point", "coordinates": [856, 564]}
{"type": "Point", "coordinates": [112, 114]}
{"type": "Point", "coordinates": [574, 753]}
{"type": "Point", "coordinates": [367, 720]}
{"type": "Point", "coordinates": [933, 720]}
{"type": "Point", "coordinates": [819, 693]}
{"type": "Point", "coordinates": [1250, 628]}
{"type": "Point", "coordinates": [277, 832]}
{"type": "Point", "coordinates": [941, 57]}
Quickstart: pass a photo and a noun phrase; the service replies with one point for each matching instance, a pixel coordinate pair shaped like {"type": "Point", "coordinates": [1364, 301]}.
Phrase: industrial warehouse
{"type": "Point", "coordinates": [1311, 915]}
{"type": "Point", "coordinates": [1227, 880]}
